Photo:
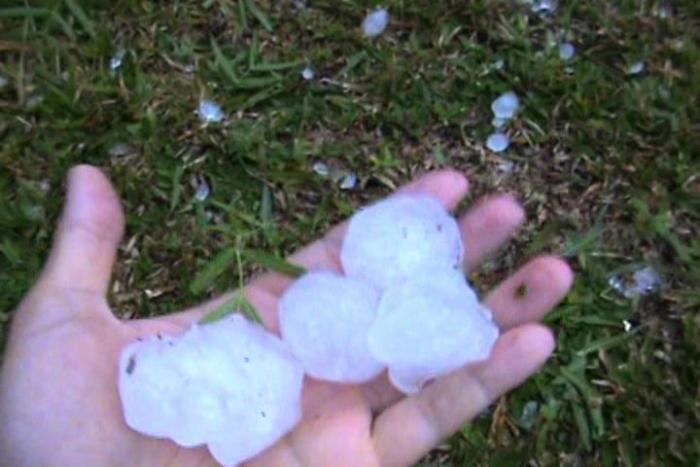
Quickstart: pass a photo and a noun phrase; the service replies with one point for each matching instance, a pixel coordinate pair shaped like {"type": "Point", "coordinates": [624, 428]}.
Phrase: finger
{"type": "Point", "coordinates": [531, 292]}
{"type": "Point", "coordinates": [487, 226]}
{"type": "Point", "coordinates": [448, 186]}
{"type": "Point", "coordinates": [91, 226]}
{"type": "Point", "coordinates": [409, 429]}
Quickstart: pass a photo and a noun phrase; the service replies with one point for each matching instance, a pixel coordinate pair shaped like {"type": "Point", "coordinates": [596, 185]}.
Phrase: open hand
{"type": "Point", "coordinates": [59, 404]}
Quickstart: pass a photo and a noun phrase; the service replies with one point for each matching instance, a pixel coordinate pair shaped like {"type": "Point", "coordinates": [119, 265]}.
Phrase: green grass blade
{"type": "Point", "coordinates": [259, 15]}
{"type": "Point", "coordinates": [239, 303]}
{"type": "Point", "coordinates": [29, 12]}
{"type": "Point", "coordinates": [214, 269]}
{"type": "Point", "coordinates": [224, 64]}
{"type": "Point", "coordinates": [276, 66]}
{"type": "Point", "coordinates": [82, 18]}
{"type": "Point", "coordinates": [273, 263]}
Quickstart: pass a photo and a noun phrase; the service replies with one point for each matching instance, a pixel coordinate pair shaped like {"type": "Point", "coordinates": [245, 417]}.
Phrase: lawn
{"type": "Point", "coordinates": [604, 155]}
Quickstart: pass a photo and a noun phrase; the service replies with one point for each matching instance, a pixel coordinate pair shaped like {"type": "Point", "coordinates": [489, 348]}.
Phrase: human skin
{"type": "Point", "coordinates": [59, 404]}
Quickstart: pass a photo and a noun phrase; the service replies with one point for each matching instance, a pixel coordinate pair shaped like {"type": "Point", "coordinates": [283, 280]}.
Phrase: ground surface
{"type": "Point", "coordinates": [607, 164]}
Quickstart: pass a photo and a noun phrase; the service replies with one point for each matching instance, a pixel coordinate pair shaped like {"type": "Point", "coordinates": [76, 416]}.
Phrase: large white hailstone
{"type": "Point", "coordinates": [375, 23]}
{"type": "Point", "coordinates": [325, 317]}
{"type": "Point", "coordinates": [399, 238]}
{"type": "Point", "coordinates": [428, 327]}
{"type": "Point", "coordinates": [229, 384]}
{"type": "Point", "coordinates": [506, 105]}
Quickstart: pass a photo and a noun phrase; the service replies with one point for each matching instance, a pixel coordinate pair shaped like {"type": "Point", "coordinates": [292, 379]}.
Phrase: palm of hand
{"type": "Point", "coordinates": [58, 399]}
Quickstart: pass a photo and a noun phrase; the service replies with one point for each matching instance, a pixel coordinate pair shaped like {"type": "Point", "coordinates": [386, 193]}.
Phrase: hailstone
{"type": "Point", "coordinates": [429, 326]}
{"type": "Point", "coordinates": [230, 385]}
{"type": "Point", "coordinates": [325, 317]}
{"type": "Point", "coordinates": [506, 105]}
{"type": "Point", "coordinates": [399, 238]}
{"type": "Point", "coordinates": [375, 23]}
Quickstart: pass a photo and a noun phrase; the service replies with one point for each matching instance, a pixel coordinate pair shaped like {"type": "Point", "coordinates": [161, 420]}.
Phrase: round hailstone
{"type": "Point", "coordinates": [399, 238]}
{"type": "Point", "coordinates": [636, 68]}
{"type": "Point", "coordinates": [498, 142]}
{"type": "Point", "coordinates": [308, 74]}
{"type": "Point", "coordinates": [566, 51]}
{"type": "Point", "coordinates": [210, 112]}
{"type": "Point", "coordinates": [429, 327]}
{"type": "Point", "coordinates": [506, 106]}
{"type": "Point", "coordinates": [375, 23]}
{"type": "Point", "coordinates": [325, 317]}
{"type": "Point", "coordinates": [229, 384]}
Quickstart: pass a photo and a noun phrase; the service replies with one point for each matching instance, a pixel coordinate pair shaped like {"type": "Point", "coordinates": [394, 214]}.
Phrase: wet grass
{"type": "Point", "coordinates": [606, 163]}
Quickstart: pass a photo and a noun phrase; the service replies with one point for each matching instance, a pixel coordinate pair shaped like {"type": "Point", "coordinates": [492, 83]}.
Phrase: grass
{"type": "Point", "coordinates": [606, 163]}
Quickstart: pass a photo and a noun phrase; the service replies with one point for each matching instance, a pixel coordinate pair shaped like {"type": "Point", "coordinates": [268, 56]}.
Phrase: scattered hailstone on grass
{"type": "Point", "coordinates": [120, 150]}
{"type": "Point", "coordinates": [506, 105]}
{"type": "Point", "coordinates": [321, 169]}
{"type": "Point", "coordinates": [117, 60]}
{"type": "Point", "coordinates": [498, 142]}
{"type": "Point", "coordinates": [544, 6]}
{"type": "Point", "coordinates": [566, 51]}
{"type": "Point", "coordinates": [429, 326]}
{"type": "Point", "coordinates": [325, 317]}
{"type": "Point", "coordinates": [636, 68]}
{"type": "Point", "coordinates": [308, 74]}
{"type": "Point", "coordinates": [203, 190]}
{"type": "Point", "coordinates": [636, 282]}
{"type": "Point", "coordinates": [663, 11]}
{"type": "Point", "coordinates": [210, 112]}
{"type": "Point", "coordinates": [529, 415]}
{"type": "Point", "coordinates": [348, 182]}
{"type": "Point", "coordinates": [230, 385]}
{"type": "Point", "coordinates": [399, 238]}
{"type": "Point", "coordinates": [34, 101]}
{"type": "Point", "coordinates": [505, 166]}
{"type": "Point", "coordinates": [375, 23]}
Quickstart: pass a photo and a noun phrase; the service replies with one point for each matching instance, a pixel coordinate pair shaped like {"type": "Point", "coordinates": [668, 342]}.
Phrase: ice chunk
{"type": "Point", "coordinates": [210, 111]}
{"type": "Point", "coordinates": [663, 11]}
{"type": "Point", "coordinates": [506, 106]}
{"type": "Point", "coordinates": [566, 51]}
{"type": "Point", "coordinates": [307, 74]}
{"type": "Point", "coordinates": [544, 6]}
{"type": "Point", "coordinates": [203, 190]}
{"type": "Point", "coordinates": [636, 68]}
{"type": "Point", "coordinates": [375, 23]}
{"type": "Point", "coordinates": [506, 166]}
{"type": "Point", "coordinates": [325, 317]}
{"type": "Point", "coordinates": [348, 182]}
{"type": "Point", "coordinates": [117, 60]}
{"type": "Point", "coordinates": [3, 81]}
{"type": "Point", "coordinates": [321, 169]}
{"type": "Point", "coordinates": [498, 142]}
{"type": "Point", "coordinates": [428, 327]}
{"type": "Point", "coordinates": [121, 149]}
{"type": "Point", "coordinates": [399, 238]}
{"type": "Point", "coordinates": [637, 282]}
{"type": "Point", "coordinates": [229, 384]}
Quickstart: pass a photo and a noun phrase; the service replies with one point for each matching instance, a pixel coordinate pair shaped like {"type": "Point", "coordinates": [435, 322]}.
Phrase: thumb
{"type": "Point", "coordinates": [91, 226]}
